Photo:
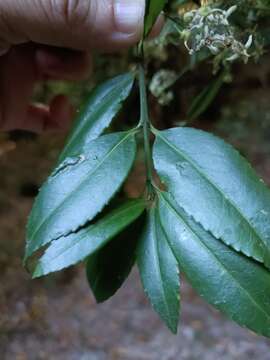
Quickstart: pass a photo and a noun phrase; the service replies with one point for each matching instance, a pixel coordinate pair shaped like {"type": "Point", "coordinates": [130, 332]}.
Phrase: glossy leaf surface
{"type": "Point", "coordinates": [79, 189]}
{"type": "Point", "coordinates": [102, 105]}
{"type": "Point", "coordinates": [74, 248]}
{"type": "Point", "coordinates": [217, 187]}
{"type": "Point", "coordinates": [159, 271]}
{"type": "Point", "coordinates": [153, 9]}
{"type": "Point", "coordinates": [109, 267]}
{"type": "Point", "coordinates": [231, 282]}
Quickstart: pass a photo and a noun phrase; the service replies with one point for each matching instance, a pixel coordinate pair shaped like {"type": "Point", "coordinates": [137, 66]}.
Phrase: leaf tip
{"type": "Point", "coordinates": [172, 325]}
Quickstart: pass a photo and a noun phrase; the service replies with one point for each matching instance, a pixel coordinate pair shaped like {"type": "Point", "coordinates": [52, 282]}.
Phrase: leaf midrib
{"type": "Point", "coordinates": [219, 263]}
{"type": "Point", "coordinates": [79, 185]}
{"type": "Point", "coordinates": [214, 185]}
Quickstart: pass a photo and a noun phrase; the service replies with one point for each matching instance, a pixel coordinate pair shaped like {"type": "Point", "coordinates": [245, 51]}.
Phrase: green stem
{"type": "Point", "coordinates": [145, 124]}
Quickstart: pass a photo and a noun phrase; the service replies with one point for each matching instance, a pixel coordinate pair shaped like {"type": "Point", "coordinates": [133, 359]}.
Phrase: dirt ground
{"type": "Point", "coordinates": [57, 319]}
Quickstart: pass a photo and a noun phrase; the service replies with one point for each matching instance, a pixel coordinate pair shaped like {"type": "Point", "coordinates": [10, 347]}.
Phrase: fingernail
{"type": "Point", "coordinates": [129, 15]}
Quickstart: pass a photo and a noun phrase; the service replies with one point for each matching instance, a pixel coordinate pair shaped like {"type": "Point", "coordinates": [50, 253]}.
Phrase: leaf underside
{"type": "Point", "coordinates": [108, 268]}
{"type": "Point", "coordinates": [159, 271]}
{"type": "Point", "coordinates": [231, 282]}
{"type": "Point", "coordinates": [80, 188]}
{"type": "Point", "coordinates": [217, 187]}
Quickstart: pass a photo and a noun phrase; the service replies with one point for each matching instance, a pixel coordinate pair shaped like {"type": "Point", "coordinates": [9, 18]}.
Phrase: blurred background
{"type": "Point", "coordinates": [57, 318]}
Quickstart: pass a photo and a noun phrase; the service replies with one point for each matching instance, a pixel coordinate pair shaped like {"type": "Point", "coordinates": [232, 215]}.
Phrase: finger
{"type": "Point", "coordinates": [56, 117]}
{"type": "Point", "coordinates": [62, 64]}
{"type": "Point", "coordinates": [61, 114]}
{"type": "Point", "coordinates": [77, 24]}
{"type": "Point", "coordinates": [18, 76]}
{"type": "Point", "coordinates": [36, 118]}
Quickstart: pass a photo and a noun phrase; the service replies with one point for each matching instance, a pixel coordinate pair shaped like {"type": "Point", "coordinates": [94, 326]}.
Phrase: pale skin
{"type": "Point", "coordinates": [54, 39]}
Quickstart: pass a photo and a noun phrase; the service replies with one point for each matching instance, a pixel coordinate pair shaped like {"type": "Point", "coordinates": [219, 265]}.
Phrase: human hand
{"type": "Point", "coordinates": [35, 36]}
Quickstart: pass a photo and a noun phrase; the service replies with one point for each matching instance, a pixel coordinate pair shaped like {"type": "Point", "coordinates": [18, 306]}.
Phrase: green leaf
{"type": "Point", "coordinates": [201, 103]}
{"type": "Point", "coordinates": [69, 250]}
{"type": "Point", "coordinates": [102, 105]}
{"type": "Point", "coordinates": [217, 187]}
{"type": "Point", "coordinates": [79, 189]}
{"type": "Point", "coordinates": [153, 9]}
{"type": "Point", "coordinates": [231, 282]}
{"type": "Point", "coordinates": [159, 271]}
{"type": "Point", "coordinates": [109, 267]}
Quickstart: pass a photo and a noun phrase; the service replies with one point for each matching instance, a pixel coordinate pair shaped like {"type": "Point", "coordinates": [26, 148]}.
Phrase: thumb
{"type": "Point", "coordinates": [77, 24]}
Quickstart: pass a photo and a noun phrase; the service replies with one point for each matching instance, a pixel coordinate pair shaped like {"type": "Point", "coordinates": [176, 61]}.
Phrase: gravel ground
{"type": "Point", "coordinates": [57, 319]}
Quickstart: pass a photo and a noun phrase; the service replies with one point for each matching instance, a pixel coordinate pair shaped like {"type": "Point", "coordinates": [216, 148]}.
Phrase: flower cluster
{"type": "Point", "coordinates": [160, 85]}
{"type": "Point", "coordinates": [209, 28]}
